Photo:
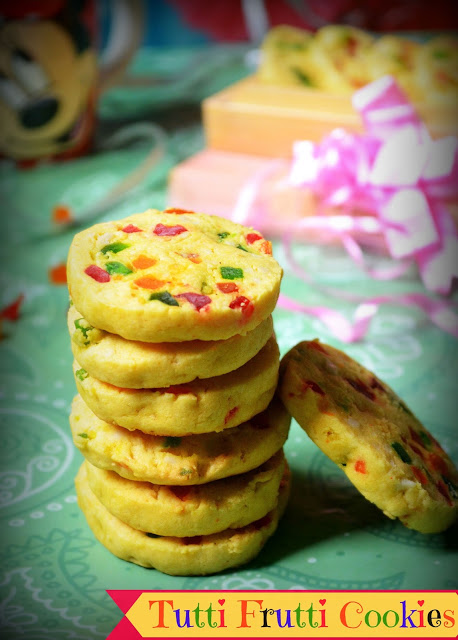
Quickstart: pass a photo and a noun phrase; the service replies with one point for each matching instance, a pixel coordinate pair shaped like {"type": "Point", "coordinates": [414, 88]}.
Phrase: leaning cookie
{"type": "Point", "coordinates": [364, 427]}
{"type": "Point", "coordinates": [195, 555]}
{"type": "Point", "coordinates": [200, 406]}
{"type": "Point", "coordinates": [173, 276]}
{"type": "Point", "coordinates": [143, 365]}
{"type": "Point", "coordinates": [203, 509]}
{"type": "Point", "coordinates": [174, 460]}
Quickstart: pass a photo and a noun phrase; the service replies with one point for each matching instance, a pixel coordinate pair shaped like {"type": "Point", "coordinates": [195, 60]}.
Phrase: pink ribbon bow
{"type": "Point", "coordinates": [396, 172]}
{"type": "Point", "coordinates": [402, 179]}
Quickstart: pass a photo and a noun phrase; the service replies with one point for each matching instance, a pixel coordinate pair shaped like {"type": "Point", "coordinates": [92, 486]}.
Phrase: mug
{"type": "Point", "coordinates": [50, 77]}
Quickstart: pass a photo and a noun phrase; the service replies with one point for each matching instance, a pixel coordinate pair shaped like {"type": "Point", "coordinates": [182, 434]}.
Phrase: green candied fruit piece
{"type": "Point", "coordinates": [222, 235]}
{"type": "Point", "coordinates": [165, 297]}
{"type": "Point", "coordinates": [114, 247]}
{"type": "Point", "coordinates": [402, 453]}
{"type": "Point", "coordinates": [185, 472]}
{"type": "Point", "coordinates": [425, 439]}
{"type": "Point", "coordinates": [117, 268]}
{"type": "Point", "coordinates": [231, 273]}
{"type": "Point", "coordinates": [453, 489]}
{"type": "Point", "coordinates": [240, 246]}
{"type": "Point", "coordinates": [152, 535]}
{"type": "Point", "coordinates": [171, 442]}
{"type": "Point", "coordinates": [440, 54]}
{"type": "Point", "coordinates": [302, 77]}
{"type": "Point", "coordinates": [85, 333]}
{"type": "Point", "coordinates": [83, 435]}
{"type": "Point", "coordinates": [81, 374]}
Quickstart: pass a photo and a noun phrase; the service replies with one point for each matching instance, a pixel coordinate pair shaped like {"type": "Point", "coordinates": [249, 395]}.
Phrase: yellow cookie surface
{"type": "Point", "coordinates": [203, 509]}
{"type": "Point", "coordinates": [142, 365]}
{"type": "Point", "coordinates": [200, 406]}
{"type": "Point", "coordinates": [195, 555]}
{"type": "Point", "coordinates": [173, 277]}
{"type": "Point", "coordinates": [179, 460]}
{"type": "Point", "coordinates": [365, 428]}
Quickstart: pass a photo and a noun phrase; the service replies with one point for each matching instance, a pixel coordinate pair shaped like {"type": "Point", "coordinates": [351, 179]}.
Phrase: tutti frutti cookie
{"type": "Point", "coordinates": [143, 365]}
{"type": "Point", "coordinates": [200, 406]}
{"type": "Point", "coordinates": [366, 429]}
{"type": "Point", "coordinates": [190, 555]}
{"type": "Point", "coordinates": [201, 509]}
{"type": "Point", "coordinates": [172, 276]}
{"type": "Point", "coordinates": [175, 460]}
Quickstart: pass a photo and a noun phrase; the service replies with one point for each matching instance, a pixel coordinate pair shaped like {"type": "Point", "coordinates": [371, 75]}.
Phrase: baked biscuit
{"type": "Point", "coordinates": [200, 406]}
{"type": "Point", "coordinates": [173, 276]}
{"type": "Point", "coordinates": [179, 461]}
{"type": "Point", "coordinates": [364, 427]}
{"type": "Point", "coordinates": [144, 365]}
{"type": "Point", "coordinates": [196, 555]}
{"type": "Point", "coordinates": [203, 509]}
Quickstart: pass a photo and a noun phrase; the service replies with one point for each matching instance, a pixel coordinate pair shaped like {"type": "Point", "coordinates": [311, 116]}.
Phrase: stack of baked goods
{"type": "Point", "coordinates": [176, 365]}
{"type": "Point", "coordinates": [342, 58]}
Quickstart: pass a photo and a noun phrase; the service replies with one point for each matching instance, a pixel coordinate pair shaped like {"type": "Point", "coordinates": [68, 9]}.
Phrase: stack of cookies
{"type": "Point", "coordinates": [176, 366]}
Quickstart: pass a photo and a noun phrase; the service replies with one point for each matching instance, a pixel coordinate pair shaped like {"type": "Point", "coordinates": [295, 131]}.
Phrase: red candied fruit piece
{"type": "Point", "coordinates": [317, 346]}
{"type": "Point", "coordinates": [131, 228]}
{"type": "Point", "coordinates": [244, 304]}
{"type": "Point", "coordinates": [11, 312]}
{"type": "Point", "coordinates": [415, 436]}
{"type": "Point", "coordinates": [309, 384]}
{"type": "Point", "coordinates": [375, 384]}
{"type": "Point", "coordinates": [420, 476]}
{"type": "Point", "coordinates": [176, 210]}
{"type": "Point", "coordinates": [198, 300]}
{"type": "Point", "coordinates": [360, 466]}
{"type": "Point", "coordinates": [417, 450]}
{"type": "Point", "coordinates": [227, 287]}
{"type": "Point", "coordinates": [165, 230]}
{"type": "Point", "coordinates": [352, 46]}
{"type": "Point", "coordinates": [230, 414]}
{"type": "Point", "coordinates": [442, 488]}
{"type": "Point", "coordinates": [359, 385]}
{"type": "Point", "coordinates": [192, 540]}
{"type": "Point", "coordinates": [181, 492]}
{"type": "Point", "coordinates": [252, 237]}
{"type": "Point", "coordinates": [438, 463]}
{"type": "Point", "coordinates": [97, 274]}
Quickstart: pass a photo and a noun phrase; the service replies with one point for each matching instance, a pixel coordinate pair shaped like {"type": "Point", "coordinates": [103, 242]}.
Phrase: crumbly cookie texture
{"type": "Point", "coordinates": [365, 428]}
{"type": "Point", "coordinates": [203, 509]}
{"type": "Point", "coordinates": [144, 365]}
{"type": "Point", "coordinates": [173, 276]}
{"type": "Point", "coordinates": [174, 460]}
{"type": "Point", "coordinates": [196, 555]}
{"type": "Point", "coordinates": [200, 406]}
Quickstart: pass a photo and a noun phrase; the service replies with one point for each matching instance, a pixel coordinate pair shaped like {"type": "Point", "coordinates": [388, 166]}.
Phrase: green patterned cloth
{"type": "Point", "coordinates": [53, 572]}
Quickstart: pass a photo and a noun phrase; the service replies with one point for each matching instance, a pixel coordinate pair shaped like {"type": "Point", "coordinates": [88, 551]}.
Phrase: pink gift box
{"type": "Point", "coordinates": [211, 181]}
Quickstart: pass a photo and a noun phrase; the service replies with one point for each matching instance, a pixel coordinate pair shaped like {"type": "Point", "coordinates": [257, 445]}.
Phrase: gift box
{"type": "Point", "coordinates": [214, 182]}
{"type": "Point", "coordinates": [261, 119]}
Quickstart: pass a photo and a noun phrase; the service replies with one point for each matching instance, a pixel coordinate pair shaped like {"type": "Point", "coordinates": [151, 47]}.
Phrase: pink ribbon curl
{"type": "Point", "coordinates": [402, 179]}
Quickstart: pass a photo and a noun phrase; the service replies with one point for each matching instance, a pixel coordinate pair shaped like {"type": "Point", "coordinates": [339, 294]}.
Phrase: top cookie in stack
{"type": "Point", "coordinates": [173, 276]}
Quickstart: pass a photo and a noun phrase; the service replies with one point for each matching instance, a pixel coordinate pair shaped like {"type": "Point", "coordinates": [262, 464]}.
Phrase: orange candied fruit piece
{"type": "Point", "coordinates": [143, 262]}
{"type": "Point", "coordinates": [61, 214]}
{"type": "Point", "coordinates": [149, 283]}
{"type": "Point", "coordinates": [58, 274]}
